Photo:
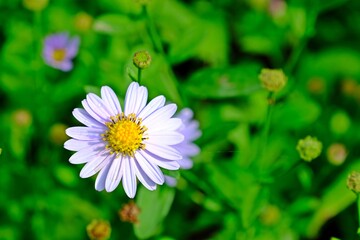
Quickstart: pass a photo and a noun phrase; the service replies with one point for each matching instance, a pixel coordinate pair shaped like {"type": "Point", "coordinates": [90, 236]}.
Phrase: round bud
{"type": "Point", "coordinates": [98, 230]}
{"type": "Point", "coordinates": [273, 79]}
{"type": "Point", "coordinates": [309, 148]}
{"type": "Point", "coordinates": [142, 59]}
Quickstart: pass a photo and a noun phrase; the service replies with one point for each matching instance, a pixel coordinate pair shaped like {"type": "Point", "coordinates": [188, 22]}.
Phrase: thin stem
{"type": "Point", "coordinates": [266, 129]}
{"type": "Point", "coordinates": [152, 32]}
{"type": "Point", "coordinates": [358, 206]}
{"type": "Point", "coordinates": [139, 75]}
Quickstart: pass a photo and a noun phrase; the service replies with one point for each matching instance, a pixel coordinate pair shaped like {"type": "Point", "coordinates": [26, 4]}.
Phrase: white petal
{"type": "Point", "coordinates": [153, 105]}
{"type": "Point", "coordinates": [98, 106]}
{"type": "Point", "coordinates": [161, 162]}
{"type": "Point", "coordinates": [95, 165]}
{"type": "Point", "coordinates": [85, 155]}
{"type": "Point", "coordinates": [142, 95]}
{"type": "Point", "coordinates": [171, 124]}
{"type": "Point", "coordinates": [84, 133]}
{"type": "Point", "coordinates": [82, 116]}
{"type": "Point", "coordinates": [151, 170]}
{"type": "Point", "coordinates": [110, 100]}
{"type": "Point", "coordinates": [160, 116]}
{"type": "Point", "coordinates": [93, 114]}
{"type": "Point", "coordinates": [163, 151]}
{"type": "Point", "coordinates": [129, 177]}
{"type": "Point", "coordinates": [131, 98]}
{"type": "Point", "coordinates": [77, 145]}
{"type": "Point", "coordinates": [144, 178]}
{"type": "Point", "coordinates": [165, 138]}
{"type": "Point", "coordinates": [101, 177]}
{"type": "Point", "coordinates": [115, 173]}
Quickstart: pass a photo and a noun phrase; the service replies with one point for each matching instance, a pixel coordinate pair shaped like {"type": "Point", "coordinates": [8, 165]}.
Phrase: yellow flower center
{"type": "Point", "coordinates": [59, 54]}
{"type": "Point", "coordinates": [125, 134]}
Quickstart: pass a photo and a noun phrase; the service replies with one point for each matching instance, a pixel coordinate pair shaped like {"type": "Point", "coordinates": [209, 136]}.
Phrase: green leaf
{"type": "Point", "coordinates": [154, 206]}
{"type": "Point", "coordinates": [224, 82]}
{"type": "Point", "coordinates": [335, 199]}
{"type": "Point", "coordinates": [114, 24]}
{"type": "Point", "coordinates": [297, 112]}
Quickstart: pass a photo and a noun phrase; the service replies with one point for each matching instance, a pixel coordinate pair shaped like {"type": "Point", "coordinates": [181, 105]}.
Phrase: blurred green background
{"type": "Point", "coordinates": [207, 55]}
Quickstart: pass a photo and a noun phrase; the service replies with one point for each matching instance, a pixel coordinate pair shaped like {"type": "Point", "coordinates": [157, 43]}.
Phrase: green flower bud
{"type": "Point", "coordinates": [35, 5]}
{"type": "Point", "coordinates": [273, 79]}
{"type": "Point", "coordinates": [98, 230]}
{"type": "Point", "coordinates": [83, 22]}
{"type": "Point", "coordinates": [309, 148]}
{"type": "Point", "coordinates": [353, 182]}
{"type": "Point", "coordinates": [142, 59]}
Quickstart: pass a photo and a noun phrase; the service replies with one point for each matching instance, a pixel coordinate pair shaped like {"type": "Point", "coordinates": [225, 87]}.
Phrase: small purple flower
{"type": "Point", "coordinates": [59, 50]}
{"type": "Point", "coordinates": [190, 130]}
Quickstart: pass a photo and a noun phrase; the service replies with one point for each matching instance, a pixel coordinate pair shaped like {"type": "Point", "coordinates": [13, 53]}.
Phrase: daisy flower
{"type": "Point", "coordinates": [59, 50]}
{"type": "Point", "coordinates": [190, 130]}
{"type": "Point", "coordinates": [128, 144]}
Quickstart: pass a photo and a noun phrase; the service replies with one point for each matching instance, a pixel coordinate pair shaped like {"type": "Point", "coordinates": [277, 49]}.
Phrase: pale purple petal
{"type": "Point", "coordinates": [87, 154]}
{"type": "Point", "coordinates": [169, 125]}
{"type": "Point", "coordinates": [160, 116]}
{"type": "Point", "coordinates": [161, 162]}
{"type": "Point", "coordinates": [95, 165]}
{"type": "Point", "coordinates": [170, 181]}
{"type": "Point", "coordinates": [115, 174]}
{"type": "Point", "coordinates": [97, 105]}
{"type": "Point", "coordinates": [142, 95]}
{"type": "Point", "coordinates": [163, 151]}
{"type": "Point", "coordinates": [131, 98]}
{"type": "Point", "coordinates": [82, 116]}
{"type": "Point", "coordinates": [101, 177]}
{"type": "Point", "coordinates": [186, 163]}
{"type": "Point", "coordinates": [92, 113]}
{"type": "Point", "coordinates": [144, 178]}
{"type": "Point", "coordinates": [72, 47]}
{"type": "Point", "coordinates": [129, 177]}
{"type": "Point", "coordinates": [76, 145]}
{"type": "Point", "coordinates": [152, 106]}
{"type": "Point", "coordinates": [110, 100]}
{"type": "Point", "coordinates": [165, 138]}
{"type": "Point", "coordinates": [151, 170]}
{"type": "Point", "coordinates": [84, 133]}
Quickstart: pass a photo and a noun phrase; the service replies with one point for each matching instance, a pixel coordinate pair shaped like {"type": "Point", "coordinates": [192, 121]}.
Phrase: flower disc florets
{"type": "Point", "coordinates": [125, 134]}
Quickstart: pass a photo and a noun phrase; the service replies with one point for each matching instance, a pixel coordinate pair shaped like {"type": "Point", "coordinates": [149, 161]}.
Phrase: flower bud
{"type": "Point", "coordinates": [98, 230]}
{"type": "Point", "coordinates": [129, 212]}
{"type": "Point", "coordinates": [142, 59]}
{"type": "Point", "coordinates": [270, 215]}
{"type": "Point", "coordinates": [353, 182]}
{"type": "Point", "coordinates": [57, 133]}
{"type": "Point", "coordinates": [22, 118]}
{"type": "Point", "coordinates": [35, 5]}
{"type": "Point", "coordinates": [336, 154]}
{"type": "Point", "coordinates": [83, 22]}
{"type": "Point", "coordinates": [273, 79]}
{"type": "Point", "coordinates": [309, 148]}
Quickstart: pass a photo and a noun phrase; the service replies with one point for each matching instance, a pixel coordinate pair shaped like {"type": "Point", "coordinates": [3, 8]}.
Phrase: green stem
{"type": "Point", "coordinates": [265, 131]}
{"type": "Point", "coordinates": [358, 206]}
{"type": "Point", "coordinates": [152, 32]}
{"type": "Point", "coordinates": [139, 75]}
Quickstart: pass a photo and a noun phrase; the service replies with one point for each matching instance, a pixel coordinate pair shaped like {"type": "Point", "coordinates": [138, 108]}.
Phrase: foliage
{"type": "Point", "coordinates": [248, 182]}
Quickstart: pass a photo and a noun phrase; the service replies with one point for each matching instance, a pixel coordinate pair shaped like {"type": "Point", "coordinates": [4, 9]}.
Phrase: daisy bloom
{"type": "Point", "coordinates": [127, 144]}
{"type": "Point", "coordinates": [59, 50]}
{"type": "Point", "coordinates": [190, 130]}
